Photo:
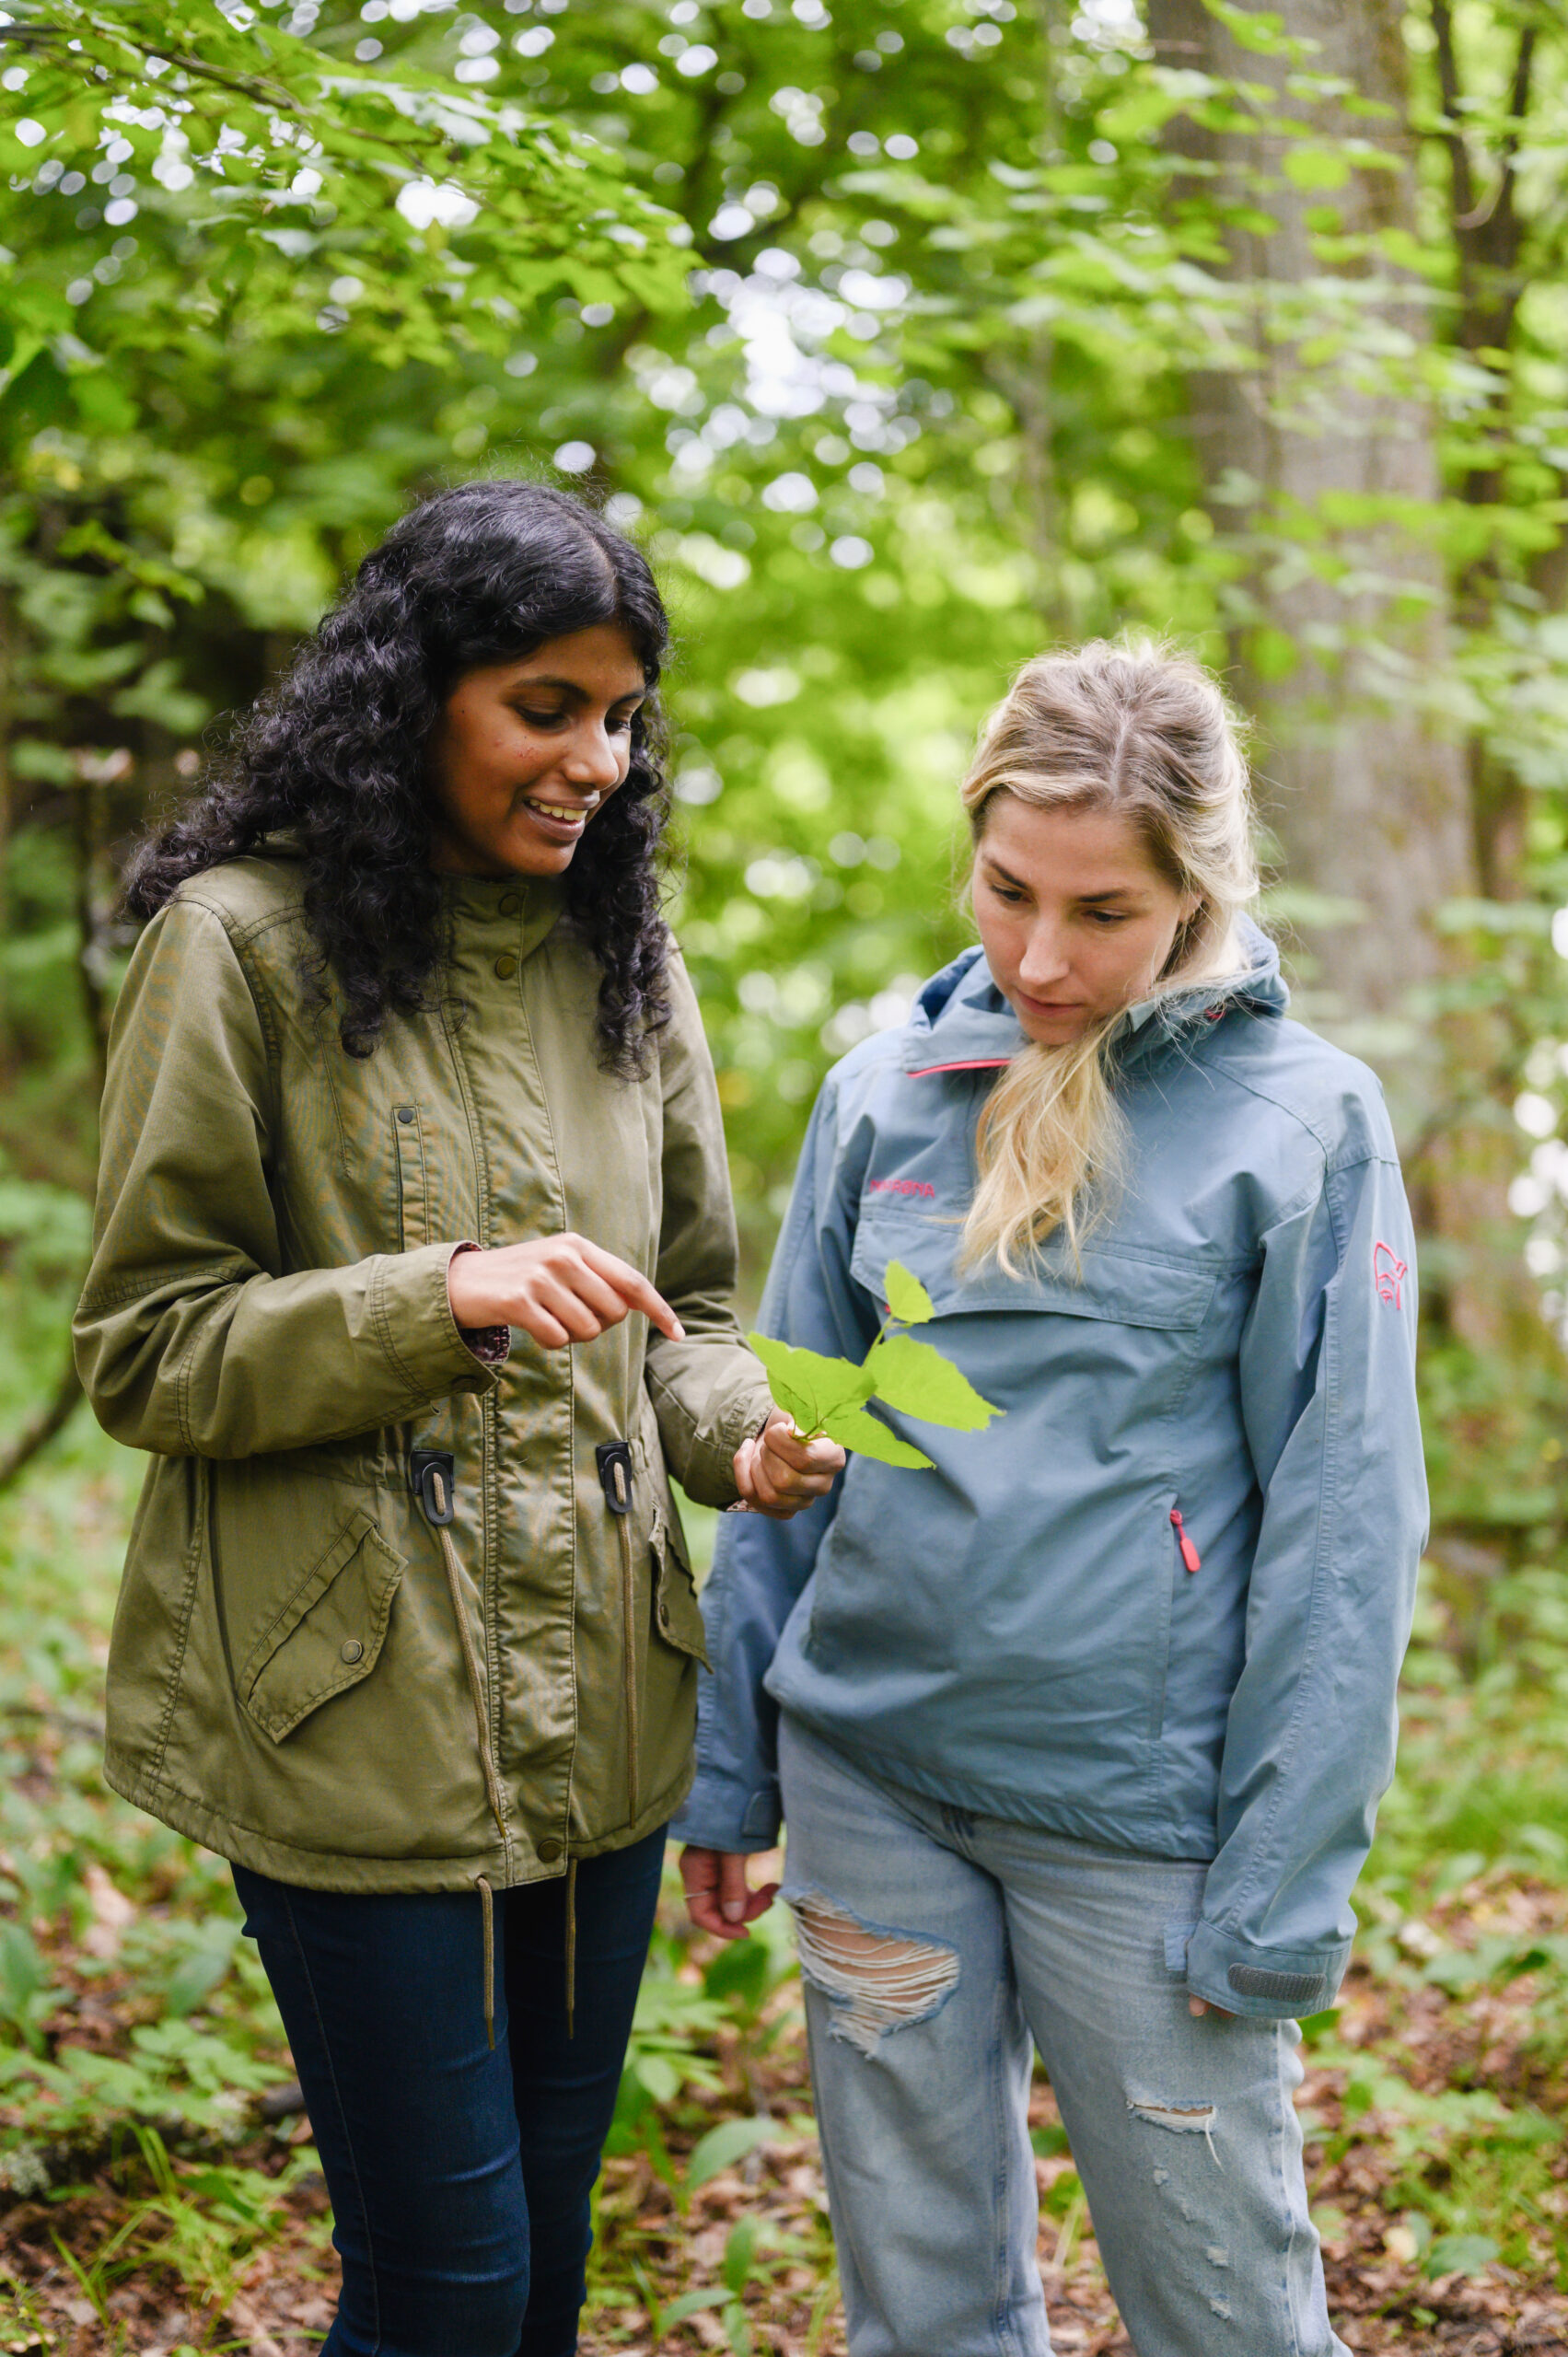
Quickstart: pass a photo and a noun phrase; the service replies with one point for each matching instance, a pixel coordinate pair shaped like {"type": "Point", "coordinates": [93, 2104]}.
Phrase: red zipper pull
{"type": "Point", "coordinates": [1190, 1554]}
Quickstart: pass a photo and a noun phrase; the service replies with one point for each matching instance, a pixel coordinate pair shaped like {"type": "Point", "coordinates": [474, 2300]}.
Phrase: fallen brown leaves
{"type": "Point", "coordinates": [283, 2307]}
{"type": "Point", "coordinates": [753, 2239]}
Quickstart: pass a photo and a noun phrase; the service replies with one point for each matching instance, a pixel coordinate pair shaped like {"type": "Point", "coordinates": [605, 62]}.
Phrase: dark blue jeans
{"type": "Point", "coordinates": [460, 2178]}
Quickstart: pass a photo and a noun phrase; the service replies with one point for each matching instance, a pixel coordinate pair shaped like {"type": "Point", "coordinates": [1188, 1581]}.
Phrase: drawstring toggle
{"type": "Point", "coordinates": [431, 1472]}
{"type": "Point", "coordinates": [613, 1458]}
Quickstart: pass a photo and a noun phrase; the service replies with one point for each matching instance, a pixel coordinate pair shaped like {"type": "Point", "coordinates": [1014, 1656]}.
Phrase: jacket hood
{"type": "Point", "coordinates": [961, 1020]}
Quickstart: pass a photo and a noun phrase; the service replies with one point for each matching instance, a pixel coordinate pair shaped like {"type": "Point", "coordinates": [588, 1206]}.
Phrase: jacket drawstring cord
{"type": "Point", "coordinates": [571, 1945]}
{"type": "Point", "coordinates": [487, 1911]}
{"type": "Point", "coordinates": [481, 1727]}
{"type": "Point", "coordinates": [470, 1662]}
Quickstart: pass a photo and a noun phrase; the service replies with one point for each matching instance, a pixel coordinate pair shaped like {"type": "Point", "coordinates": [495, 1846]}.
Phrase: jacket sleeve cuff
{"type": "Point", "coordinates": [710, 1473]}
{"type": "Point", "coordinates": [719, 1813]}
{"type": "Point", "coordinates": [1270, 1984]}
{"type": "Point", "coordinates": [415, 1327]}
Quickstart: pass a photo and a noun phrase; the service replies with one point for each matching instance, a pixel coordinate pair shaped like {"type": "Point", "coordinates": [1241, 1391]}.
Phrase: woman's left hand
{"type": "Point", "coordinates": [1198, 2006]}
{"type": "Point", "coordinates": [776, 1472]}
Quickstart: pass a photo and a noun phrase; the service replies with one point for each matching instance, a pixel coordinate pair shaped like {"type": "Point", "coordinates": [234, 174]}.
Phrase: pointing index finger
{"type": "Point", "coordinates": [635, 1290]}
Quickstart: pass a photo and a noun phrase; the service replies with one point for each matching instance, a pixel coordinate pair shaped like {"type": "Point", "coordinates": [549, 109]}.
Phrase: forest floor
{"type": "Point", "coordinates": [158, 2186]}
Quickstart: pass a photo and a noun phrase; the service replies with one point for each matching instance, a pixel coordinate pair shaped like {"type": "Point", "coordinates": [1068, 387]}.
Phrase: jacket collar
{"type": "Point", "coordinates": [527, 908]}
{"type": "Point", "coordinates": [961, 1022]}
{"type": "Point", "coordinates": [534, 902]}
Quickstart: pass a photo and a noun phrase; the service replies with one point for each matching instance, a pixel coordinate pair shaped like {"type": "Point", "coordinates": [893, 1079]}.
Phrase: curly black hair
{"type": "Point", "coordinates": [336, 753]}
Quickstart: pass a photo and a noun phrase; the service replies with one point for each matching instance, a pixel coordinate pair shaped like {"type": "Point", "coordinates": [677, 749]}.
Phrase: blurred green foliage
{"type": "Point", "coordinates": [921, 402]}
{"type": "Point", "coordinates": [877, 321]}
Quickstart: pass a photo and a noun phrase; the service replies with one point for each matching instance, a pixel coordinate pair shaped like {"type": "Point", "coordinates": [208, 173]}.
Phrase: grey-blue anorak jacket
{"type": "Point", "coordinates": [1027, 1630]}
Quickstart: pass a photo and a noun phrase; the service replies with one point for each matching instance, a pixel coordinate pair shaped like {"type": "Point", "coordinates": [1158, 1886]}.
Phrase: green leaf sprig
{"type": "Point", "coordinates": [828, 1396]}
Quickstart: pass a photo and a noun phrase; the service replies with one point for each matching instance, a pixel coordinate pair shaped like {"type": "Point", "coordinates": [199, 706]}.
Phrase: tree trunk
{"type": "Point", "coordinates": [1368, 800]}
{"type": "Point", "coordinates": [1369, 795]}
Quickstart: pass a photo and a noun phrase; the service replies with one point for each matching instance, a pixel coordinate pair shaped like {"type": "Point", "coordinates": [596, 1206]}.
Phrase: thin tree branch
{"type": "Point", "coordinates": [33, 1438]}
{"type": "Point", "coordinates": [248, 86]}
{"type": "Point", "coordinates": [1519, 96]}
{"type": "Point", "coordinates": [1453, 98]}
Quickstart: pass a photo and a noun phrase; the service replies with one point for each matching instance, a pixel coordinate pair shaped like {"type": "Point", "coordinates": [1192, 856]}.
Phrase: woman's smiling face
{"type": "Point", "coordinates": [1074, 919]}
{"type": "Point", "coordinates": [524, 753]}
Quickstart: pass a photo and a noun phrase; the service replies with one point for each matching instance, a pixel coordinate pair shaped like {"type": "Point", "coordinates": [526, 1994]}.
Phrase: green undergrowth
{"type": "Point", "coordinates": [137, 2032]}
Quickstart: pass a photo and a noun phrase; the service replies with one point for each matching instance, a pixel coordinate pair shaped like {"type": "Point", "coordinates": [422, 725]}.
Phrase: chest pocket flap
{"type": "Point", "coordinates": [1124, 1287]}
{"type": "Point", "coordinates": [413, 1186]}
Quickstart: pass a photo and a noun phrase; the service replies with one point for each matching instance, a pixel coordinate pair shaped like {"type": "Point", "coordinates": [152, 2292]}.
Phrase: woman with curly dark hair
{"type": "Point", "coordinates": [413, 1267]}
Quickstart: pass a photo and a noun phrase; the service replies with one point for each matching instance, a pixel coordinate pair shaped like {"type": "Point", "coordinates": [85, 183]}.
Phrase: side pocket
{"type": "Point", "coordinates": [677, 1613]}
{"type": "Point", "coordinates": [1177, 1939]}
{"type": "Point", "coordinates": [330, 1633]}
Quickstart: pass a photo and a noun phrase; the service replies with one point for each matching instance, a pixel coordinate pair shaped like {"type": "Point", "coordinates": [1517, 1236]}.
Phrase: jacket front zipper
{"type": "Point", "coordinates": [1190, 1554]}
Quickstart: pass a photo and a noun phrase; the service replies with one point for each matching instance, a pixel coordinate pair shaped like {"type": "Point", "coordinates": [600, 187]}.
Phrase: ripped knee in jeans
{"type": "Point", "coordinates": [1181, 2118]}
{"type": "Point", "coordinates": [876, 1980]}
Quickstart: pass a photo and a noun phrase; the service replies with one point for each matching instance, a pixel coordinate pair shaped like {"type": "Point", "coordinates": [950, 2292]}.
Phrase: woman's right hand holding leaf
{"type": "Point", "coordinates": [776, 1472]}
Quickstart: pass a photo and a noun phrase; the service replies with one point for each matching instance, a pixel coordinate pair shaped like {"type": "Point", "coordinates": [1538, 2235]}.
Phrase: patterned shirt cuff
{"type": "Point", "coordinates": [492, 1344]}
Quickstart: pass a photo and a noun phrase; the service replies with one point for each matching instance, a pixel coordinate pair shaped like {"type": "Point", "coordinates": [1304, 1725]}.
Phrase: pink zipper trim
{"type": "Point", "coordinates": [975, 1063]}
{"type": "Point", "coordinates": [1190, 1554]}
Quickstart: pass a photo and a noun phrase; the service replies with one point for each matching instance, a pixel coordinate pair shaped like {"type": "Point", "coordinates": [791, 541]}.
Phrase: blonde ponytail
{"type": "Point", "coordinates": [1134, 727]}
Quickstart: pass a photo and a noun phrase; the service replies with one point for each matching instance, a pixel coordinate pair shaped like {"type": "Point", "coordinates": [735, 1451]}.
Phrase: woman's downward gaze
{"type": "Point", "coordinates": [1076, 1740]}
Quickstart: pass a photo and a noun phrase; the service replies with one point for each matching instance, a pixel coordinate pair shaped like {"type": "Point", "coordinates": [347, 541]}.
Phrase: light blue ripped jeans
{"type": "Point", "coordinates": [1003, 1938]}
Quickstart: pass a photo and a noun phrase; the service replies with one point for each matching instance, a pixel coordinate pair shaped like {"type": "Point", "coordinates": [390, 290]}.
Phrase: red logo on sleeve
{"type": "Point", "coordinates": [1388, 1274]}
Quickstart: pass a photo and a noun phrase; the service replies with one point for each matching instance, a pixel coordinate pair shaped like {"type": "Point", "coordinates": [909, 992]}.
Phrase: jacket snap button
{"type": "Point", "coordinates": [509, 904]}
{"type": "Point", "coordinates": [352, 1650]}
{"type": "Point", "coordinates": [550, 1849]}
{"type": "Point", "coordinates": [506, 967]}
{"type": "Point", "coordinates": [405, 1112]}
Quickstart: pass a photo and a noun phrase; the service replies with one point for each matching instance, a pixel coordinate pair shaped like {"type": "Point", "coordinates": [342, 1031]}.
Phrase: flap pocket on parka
{"type": "Point", "coordinates": [677, 1613]}
{"type": "Point", "coordinates": [1124, 1288]}
{"type": "Point", "coordinates": [330, 1633]}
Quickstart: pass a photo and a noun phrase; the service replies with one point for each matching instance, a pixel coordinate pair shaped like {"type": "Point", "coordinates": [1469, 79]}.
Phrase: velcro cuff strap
{"type": "Point", "coordinates": [1282, 1988]}
{"type": "Point", "coordinates": [1242, 1977]}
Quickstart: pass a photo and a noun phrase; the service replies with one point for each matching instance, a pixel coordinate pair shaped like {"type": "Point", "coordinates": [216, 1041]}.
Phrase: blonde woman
{"type": "Point", "coordinates": [1079, 1735]}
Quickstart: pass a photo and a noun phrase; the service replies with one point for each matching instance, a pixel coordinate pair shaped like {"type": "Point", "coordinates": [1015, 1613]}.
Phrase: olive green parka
{"type": "Point", "coordinates": [309, 1672]}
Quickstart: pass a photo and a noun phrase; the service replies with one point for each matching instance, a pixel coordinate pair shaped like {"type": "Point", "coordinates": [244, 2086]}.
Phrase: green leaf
{"type": "Point", "coordinates": [738, 1977]}
{"type": "Point", "coordinates": [199, 1972]}
{"type": "Point", "coordinates": [1314, 167]}
{"type": "Point", "coordinates": [22, 1970]}
{"type": "Point", "coordinates": [907, 1298]}
{"type": "Point", "coordinates": [690, 2303]}
{"type": "Point", "coordinates": [852, 1428]}
{"type": "Point", "coordinates": [738, 2252]}
{"type": "Point", "coordinates": [659, 2076]}
{"type": "Point", "coordinates": [918, 1380]}
{"type": "Point", "coordinates": [723, 2145]}
{"type": "Point", "coordinates": [1066, 2190]}
{"type": "Point", "coordinates": [806, 1385]}
{"type": "Point", "coordinates": [1459, 2255]}
{"type": "Point", "coordinates": [101, 402]}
